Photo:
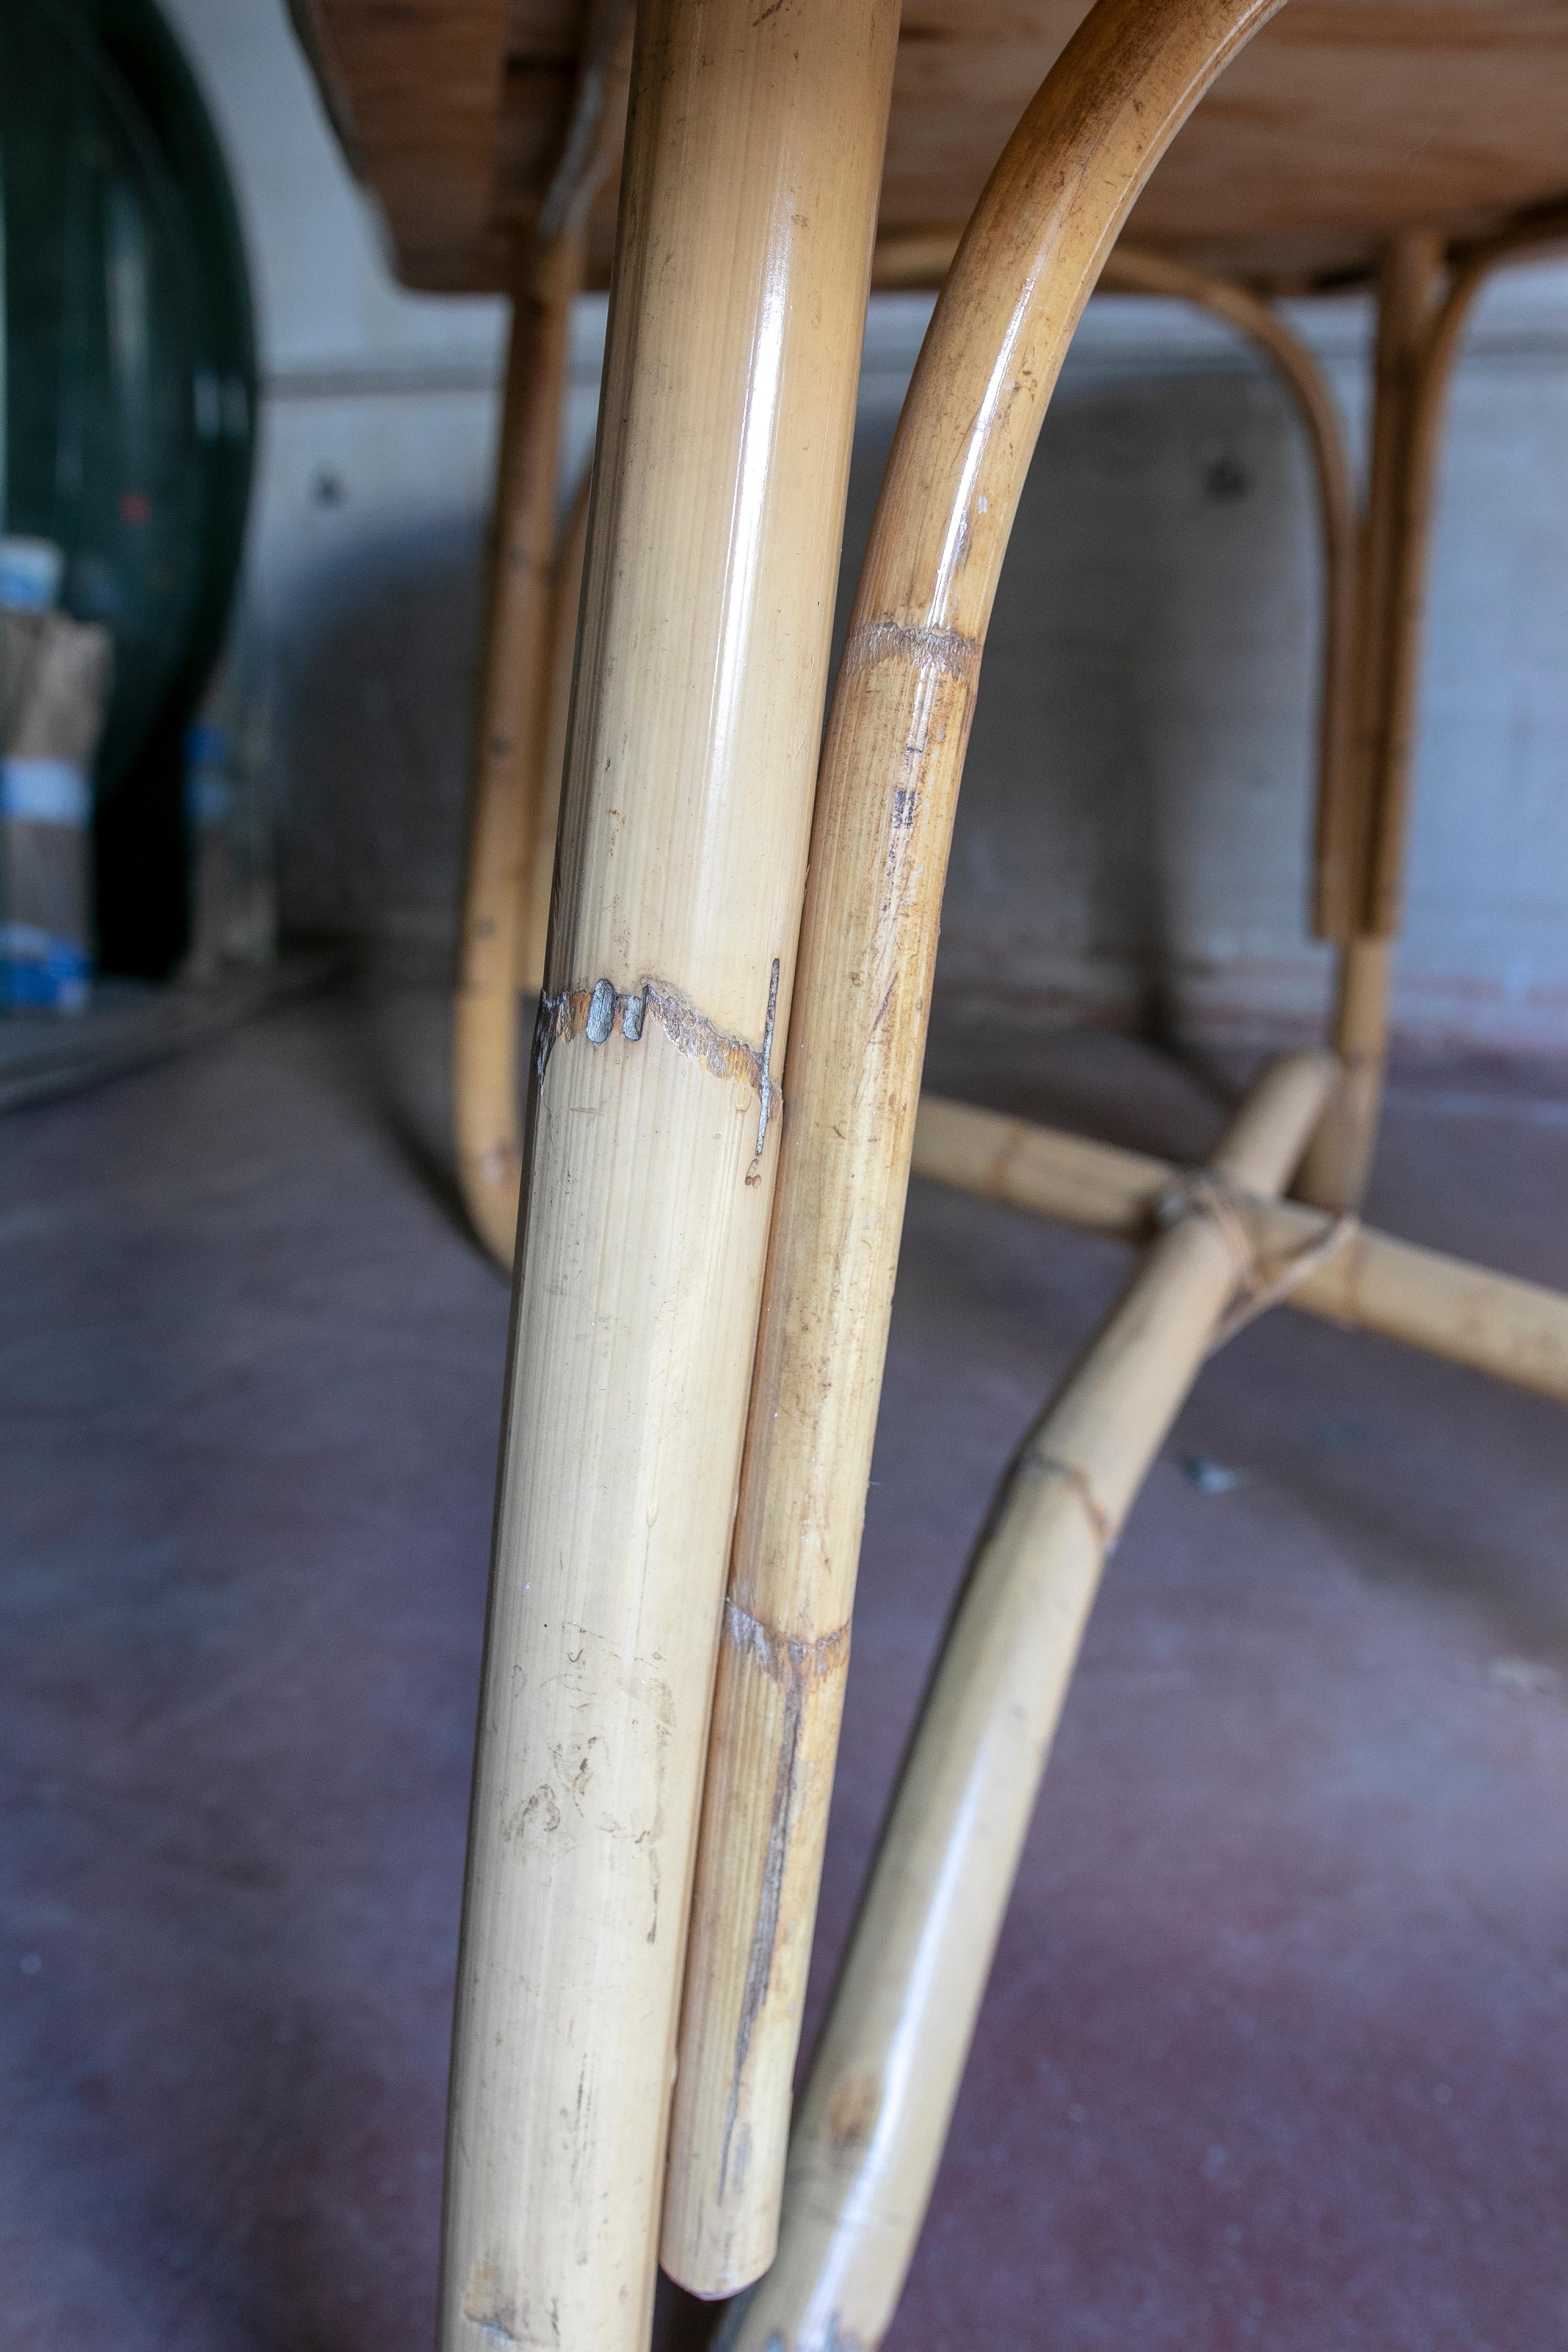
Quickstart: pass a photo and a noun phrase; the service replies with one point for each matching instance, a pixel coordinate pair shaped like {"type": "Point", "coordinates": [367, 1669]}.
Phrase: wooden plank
{"type": "Point", "coordinates": [1347, 121]}
{"type": "Point", "coordinates": [415, 92]}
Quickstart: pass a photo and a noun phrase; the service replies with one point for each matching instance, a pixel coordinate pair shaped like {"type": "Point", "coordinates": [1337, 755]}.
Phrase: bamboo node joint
{"type": "Point", "coordinates": [1260, 1284]}
{"type": "Point", "coordinates": [1037, 1464]}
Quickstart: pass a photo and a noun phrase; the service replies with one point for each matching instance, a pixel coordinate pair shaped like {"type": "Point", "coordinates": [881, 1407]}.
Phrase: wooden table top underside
{"type": "Point", "coordinates": [1345, 121]}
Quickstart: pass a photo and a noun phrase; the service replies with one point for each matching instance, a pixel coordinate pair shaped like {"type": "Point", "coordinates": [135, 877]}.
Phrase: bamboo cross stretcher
{"type": "Point", "coordinates": [720, 1115]}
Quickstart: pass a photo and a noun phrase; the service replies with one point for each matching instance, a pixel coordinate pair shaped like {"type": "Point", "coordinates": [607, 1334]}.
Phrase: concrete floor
{"type": "Point", "coordinates": [1274, 2053]}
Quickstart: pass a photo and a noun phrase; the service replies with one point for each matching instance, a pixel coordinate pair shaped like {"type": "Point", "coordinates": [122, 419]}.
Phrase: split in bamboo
{"type": "Point", "coordinates": [512, 778]}
{"type": "Point", "coordinates": [539, 854]}
{"type": "Point", "coordinates": [866, 2147]}
{"type": "Point", "coordinates": [885, 807]}
{"type": "Point", "coordinates": [1516, 1332]}
{"type": "Point", "coordinates": [753, 160]}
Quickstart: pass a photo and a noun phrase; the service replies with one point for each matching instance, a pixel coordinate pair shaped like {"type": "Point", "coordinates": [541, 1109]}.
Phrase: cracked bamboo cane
{"type": "Point", "coordinates": [894, 755]}
{"type": "Point", "coordinates": [875, 2111]}
{"type": "Point", "coordinates": [749, 193]}
{"type": "Point", "coordinates": [539, 854]}
{"type": "Point", "coordinates": [511, 767]}
{"type": "Point", "coordinates": [1515, 1332]}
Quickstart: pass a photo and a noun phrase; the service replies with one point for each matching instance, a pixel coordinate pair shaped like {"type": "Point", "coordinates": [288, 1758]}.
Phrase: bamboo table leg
{"type": "Point", "coordinates": [883, 822]}
{"type": "Point", "coordinates": [538, 853]}
{"type": "Point", "coordinates": [1361, 831]}
{"type": "Point", "coordinates": [510, 752]}
{"type": "Point", "coordinates": [753, 166]}
{"type": "Point", "coordinates": [513, 777]}
{"type": "Point", "coordinates": [1357, 862]}
{"type": "Point", "coordinates": [869, 2137]}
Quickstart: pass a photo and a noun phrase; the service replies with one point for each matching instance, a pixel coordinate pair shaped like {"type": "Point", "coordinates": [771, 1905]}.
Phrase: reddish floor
{"type": "Point", "coordinates": [1274, 2053]}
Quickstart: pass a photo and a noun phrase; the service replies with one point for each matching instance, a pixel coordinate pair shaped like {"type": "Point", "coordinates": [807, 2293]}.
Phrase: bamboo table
{"type": "Point", "coordinates": [703, 1278]}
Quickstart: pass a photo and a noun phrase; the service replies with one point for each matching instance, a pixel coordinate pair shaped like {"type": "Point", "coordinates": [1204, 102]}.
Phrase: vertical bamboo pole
{"type": "Point", "coordinates": [512, 776]}
{"type": "Point", "coordinates": [510, 745]}
{"type": "Point", "coordinates": [539, 859]}
{"type": "Point", "coordinates": [749, 194]}
{"type": "Point", "coordinates": [1361, 836]}
{"type": "Point", "coordinates": [876, 2112]}
{"type": "Point", "coordinates": [879, 844]}
{"type": "Point", "coordinates": [1362, 839]}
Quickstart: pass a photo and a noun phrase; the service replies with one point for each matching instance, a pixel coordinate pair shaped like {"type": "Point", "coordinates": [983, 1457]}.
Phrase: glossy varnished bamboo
{"type": "Point", "coordinates": [879, 846]}
{"type": "Point", "coordinates": [1515, 1332]}
{"type": "Point", "coordinates": [501, 943]}
{"type": "Point", "coordinates": [748, 208]}
{"type": "Point", "coordinates": [510, 750]}
{"type": "Point", "coordinates": [923, 260]}
{"type": "Point", "coordinates": [876, 2110]}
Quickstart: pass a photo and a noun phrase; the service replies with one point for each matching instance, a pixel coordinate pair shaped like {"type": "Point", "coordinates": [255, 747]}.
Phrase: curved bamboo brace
{"type": "Point", "coordinates": [891, 767]}
{"type": "Point", "coordinates": [1418, 343]}
{"type": "Point", "coordinates": [924, 259]}
{"type": "Point", "coordinates": [753, 160]}
{"type": "Point", "coordinates": [511, 772]}
{"type": "Point", "coordinates": [1133, 270]}
{"type": "Point", "coordinates": [865, 2151]}
{"type": "Point", "coordinates": [1493, 1323]}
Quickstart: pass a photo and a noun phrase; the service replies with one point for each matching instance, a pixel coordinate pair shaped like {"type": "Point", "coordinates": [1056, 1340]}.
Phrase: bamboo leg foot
{"type": "Point", "coordinates": [1338, 1161]}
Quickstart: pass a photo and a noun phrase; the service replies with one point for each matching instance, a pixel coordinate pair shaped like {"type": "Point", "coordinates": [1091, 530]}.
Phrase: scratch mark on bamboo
{"type": "Point", "coordinates": [765, 1081]}
{"type": "Point", "coordinates": [947, 651]}
{"type": "Point", "coordinates": [1036, 1464]}
{"type": "Point", "coordinates": [792, 1664]}
{"type": "Point", "coordinates": [784, 1660]}
{"type": "Point", "coordinates": [483, 2309]}
{"type": "Point", "coordinates": [594, 1012]}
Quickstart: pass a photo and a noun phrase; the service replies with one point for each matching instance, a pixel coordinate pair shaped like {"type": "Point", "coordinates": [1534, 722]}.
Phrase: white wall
{"type": "Point", "coordinates": [1132, 840]}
